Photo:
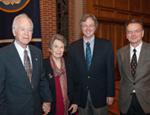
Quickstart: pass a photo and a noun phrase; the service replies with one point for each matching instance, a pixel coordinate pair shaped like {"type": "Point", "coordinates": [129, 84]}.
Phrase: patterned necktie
{"type": "Point", "coordinates": [133, 64]}
{"type": "Point", "coordinates": [88, 55]}
{"type": "Point", "coordinates": [27, 66]}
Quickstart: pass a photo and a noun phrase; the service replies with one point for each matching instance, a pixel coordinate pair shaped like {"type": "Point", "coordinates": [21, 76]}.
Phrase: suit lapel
{"type": "Point", "coordinates": [141, 60]}
{"type": "Point", "coordinates": [95, 52]}
{"type": "Point", "coordinates": [16, 61]}
{"type": "Point", "coordinates": [35, 60]}
{"type": "Point", "coordinates": [81, 53]}
{"type": "Point", "coordinates": [126, 64]}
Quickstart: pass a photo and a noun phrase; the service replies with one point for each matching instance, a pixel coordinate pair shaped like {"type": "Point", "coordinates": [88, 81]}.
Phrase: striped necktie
{"type": "Point", "coordinates": [88, 55]}
{"type": "Point", "coordinates": [27, 66]}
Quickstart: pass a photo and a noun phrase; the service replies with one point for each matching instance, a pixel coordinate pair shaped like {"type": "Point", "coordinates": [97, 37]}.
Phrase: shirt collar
{"type": "Point", "coordinates": [19, 48]}
{"type": "Point", "coordinates": [137, 48]}
{"type": "Point", "coordinates": [90, 41]}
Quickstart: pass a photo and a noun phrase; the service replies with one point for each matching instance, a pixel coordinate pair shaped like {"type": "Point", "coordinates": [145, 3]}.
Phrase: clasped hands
{"type": "Point", "coordinates": [46, 107]}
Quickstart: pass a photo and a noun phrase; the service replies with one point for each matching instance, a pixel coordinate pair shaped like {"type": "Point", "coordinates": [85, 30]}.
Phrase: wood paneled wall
{"type": "Point", "coordinates": [112, 16]}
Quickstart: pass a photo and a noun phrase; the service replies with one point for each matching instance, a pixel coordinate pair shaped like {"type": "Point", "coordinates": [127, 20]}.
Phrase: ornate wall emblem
{"type": "Point", "coordinates": [7, 2]}
{"type": "Point", "coordinates": [13, 5]}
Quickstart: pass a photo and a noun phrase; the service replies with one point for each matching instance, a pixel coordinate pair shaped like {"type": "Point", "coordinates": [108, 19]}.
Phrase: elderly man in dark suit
{"type": "Point", "coordinates": [95, 64]}
{"type": "Point", "coordinates": [22, 76]}
{"type": "Point", "coordinates": [134, 66]}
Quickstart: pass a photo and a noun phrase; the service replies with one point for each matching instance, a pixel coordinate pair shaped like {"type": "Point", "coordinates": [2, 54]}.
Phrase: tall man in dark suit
{"type": "Point", "coordinates": [21, 90]}
{"type": "Point", "coordinates": [95, 63]}
{"type": "Point", "coordinates": [134, 66]}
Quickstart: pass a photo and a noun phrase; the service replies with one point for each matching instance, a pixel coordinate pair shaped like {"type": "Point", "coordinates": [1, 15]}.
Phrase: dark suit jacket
{"type": "Point", "coordinates": [141, 83]}
{"type": "Point", "coordinates": [100, 79]}
{"type": "Point", "coordinates": [73, 82]}
{"type": "Point", "coordinates": [16, 95]}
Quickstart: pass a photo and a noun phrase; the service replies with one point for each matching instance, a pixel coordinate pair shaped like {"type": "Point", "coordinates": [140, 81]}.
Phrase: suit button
{"type": "Point", "coordinates": [88, 77]}
{"type": "Point", "coordinates": [130, 93]}
{"type": "Point", "coordinates": [134, 83]}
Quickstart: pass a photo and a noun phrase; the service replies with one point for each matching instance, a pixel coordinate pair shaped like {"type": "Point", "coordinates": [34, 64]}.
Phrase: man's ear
{"type": "Point", "coordinates": [142, 33]}
{"type": "Point", "coordinates": [13, 31]}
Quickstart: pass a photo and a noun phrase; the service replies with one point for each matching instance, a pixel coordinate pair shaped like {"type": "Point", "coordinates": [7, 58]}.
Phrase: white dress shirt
{"type": "Point", "coordinates": [21, 52]}
{"type": "Point", "coordinates": [91, 41]}
{"type": "Point", "coordinates": [138, 50]}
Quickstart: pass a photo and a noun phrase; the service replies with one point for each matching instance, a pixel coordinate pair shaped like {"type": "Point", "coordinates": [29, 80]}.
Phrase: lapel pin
{"type": "Point", "coordinates": [50, 76]}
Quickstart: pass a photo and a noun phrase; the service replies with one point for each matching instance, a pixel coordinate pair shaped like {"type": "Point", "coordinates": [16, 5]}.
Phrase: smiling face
{"type": "Point", "coordinates": [57, 49]}
{"type": "Point", "coordinates": [23, 32]}
{"type": "Point", "coordinates": [134, 34]}
{"type": "Point", "coordinates": [88, 28]}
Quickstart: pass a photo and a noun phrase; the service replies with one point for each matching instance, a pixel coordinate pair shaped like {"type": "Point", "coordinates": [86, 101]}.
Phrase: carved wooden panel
{"type": "Point", "coordinates": [90, 6]}
{"type": "Point", "coordinates": [136, 16]}
{"type": "Point", "coordinates": [105, 31]}
{"type": "Point", "coordinates": [123, 16]}
{"type": "Point", "coordinates": [123, 4]}
{"type": "Point", "coordinates": [99, 30]}
{"type": "Point", "coordinates": [96, 9]}
{"type": "Point", "coordinates": [146, 37]}
{"type": "Point", "coordinates": [120, 36]}
{"type": "Point", "coordinates": [120, 10]}
{"type": "Point", "coordinates": [107, 13]}
{"type": "Point", "coordinates": [112, 37]}
{"type": "Point", "coordinates": [146, 7]}
{"type": "Point", "coordinates": [95, 2]}
{"type": "Point", "coordinates": [136, 6]}
{"type": "Point", "coordinates": [114, 32]}
{"type": "Point", "coordinates": [146, 19]}
{"type": "Point", "coordinates": [107, 3]}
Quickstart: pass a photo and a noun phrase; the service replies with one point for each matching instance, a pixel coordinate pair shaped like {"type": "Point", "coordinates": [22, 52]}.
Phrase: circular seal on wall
{"type": "Point", "coordinates": [13, 5]}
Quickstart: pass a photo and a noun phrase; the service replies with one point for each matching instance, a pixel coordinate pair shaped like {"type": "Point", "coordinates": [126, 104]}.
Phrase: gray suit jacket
{"type": "Point", "coordinates": [141, 83]}
{"type": "Point", "coordinates": [16, 95]}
